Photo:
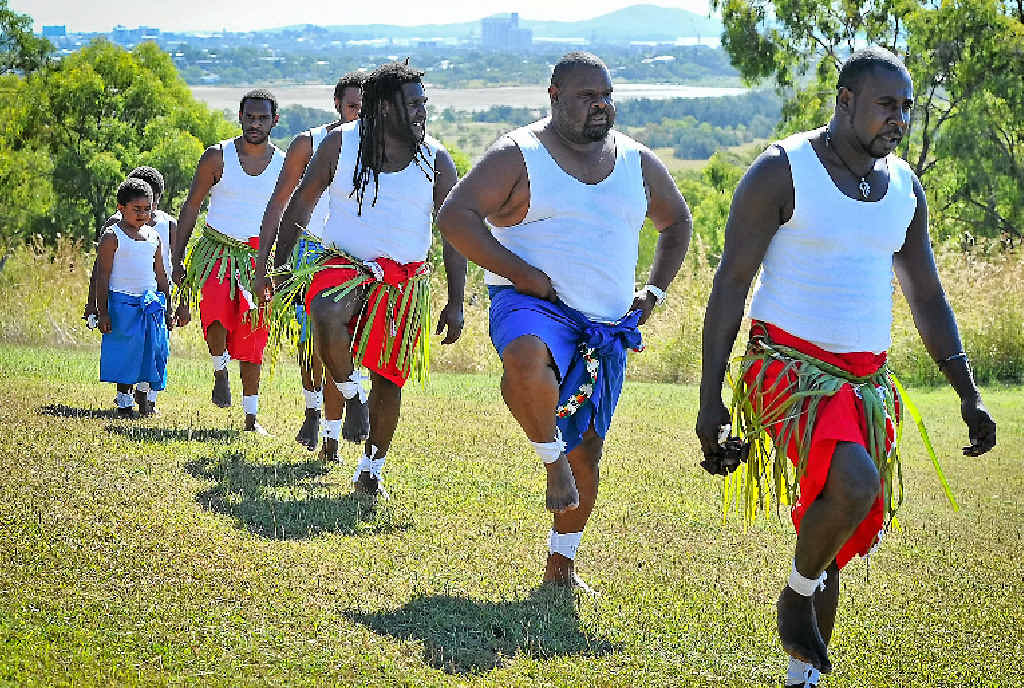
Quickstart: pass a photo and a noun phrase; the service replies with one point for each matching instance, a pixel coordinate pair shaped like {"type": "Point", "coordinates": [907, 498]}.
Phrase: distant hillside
{"type": "Point", "coordinates": [634, 23]}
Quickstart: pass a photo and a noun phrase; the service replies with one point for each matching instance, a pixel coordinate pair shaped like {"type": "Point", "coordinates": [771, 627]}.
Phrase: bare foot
{"type": "Point", "coordinates": [307, 434]}
{"type": "Point", "coordinates": [561, 493]}
{"type": "Point", "coordinates": [125, 412]}
{"type": "Point", "coordinates": [221, 394]}
{"type": "Point", "coordinates": [798, 630]}
{"type": "Point", "coordinates": [368, 486]}
{"type": "Point", "coordinates": [561, 571]}
{"type": "Point", "coordinates": [329, 449]}
{"type": "Point", "coordinates": [252, 426]}
{"type": "Point", "coordinates": [145, 408]}
{"type": "Point", "coordinates": [356, 427]}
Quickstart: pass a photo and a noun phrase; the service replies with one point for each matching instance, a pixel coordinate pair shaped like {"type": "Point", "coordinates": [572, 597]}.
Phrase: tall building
{"type": "Point", "coordinates": [55, 31]}
{"type": "Point", "coordinates": [502, 32]}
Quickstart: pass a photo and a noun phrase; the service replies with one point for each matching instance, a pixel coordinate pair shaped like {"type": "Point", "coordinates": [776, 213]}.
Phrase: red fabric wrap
{"type": "Point", "coordinates": [395, 274]}
{"type": "Point", "coordinates": [246, 342]}
{"type": "Point", "coordinates": [840, 418]}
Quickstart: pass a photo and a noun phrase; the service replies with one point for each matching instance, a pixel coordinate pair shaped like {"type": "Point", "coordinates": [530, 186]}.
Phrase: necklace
{"type": "Point", "coordinates": [865, 188]}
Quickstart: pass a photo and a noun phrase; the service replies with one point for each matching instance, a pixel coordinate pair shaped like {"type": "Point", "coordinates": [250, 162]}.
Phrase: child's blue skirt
{"type": "Point", "coordinates": [136, 348]}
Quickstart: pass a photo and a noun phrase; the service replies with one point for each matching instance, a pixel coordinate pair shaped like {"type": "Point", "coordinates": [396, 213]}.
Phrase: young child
{"type": "Point", "coordinates": [133, 317]}
{"type": "Point", "coordinates": [166, 226]}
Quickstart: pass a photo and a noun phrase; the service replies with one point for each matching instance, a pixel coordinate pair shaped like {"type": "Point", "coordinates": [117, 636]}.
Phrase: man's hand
{"type": "Point", "coordinates": [105, 326]}
{"type": "Point", "coordinates": [536, 283]}
{"type": "Point", "coordinates": [981, 428]}
{"type": "Point", "coordinates": [178, 274]}
{"type": "Point", "coordinates": [452, 319]}
{"type": "Point", "coordinates": [169, 320]}
{"type": "Point", "coordinates": [90, 309]}
{"type": "Point", "coordinates": [263, 288]}
{"type": "Point", "coordinates": [644, 304]}
{"type": "Point", "coordinates": [720, 457]}
{"type": "Point", "coordinates": [183, 315]}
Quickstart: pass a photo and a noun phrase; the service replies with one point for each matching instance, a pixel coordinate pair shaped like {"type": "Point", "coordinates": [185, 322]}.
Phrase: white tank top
{"type": "Point", "coordinates": [398, 226]}
{"type": "Point", "coordinates": [238, 200]}
{"type": "Point", "coordinates": [163, 227]}
{"type": "Point", "coordinates": [827, 274]}
{"type": "Point", "coordinates": [585, 237]}
{"type": "Point", "coordinates": [319, 217]}
{"type": "Point", "coordinates": [132, 270]}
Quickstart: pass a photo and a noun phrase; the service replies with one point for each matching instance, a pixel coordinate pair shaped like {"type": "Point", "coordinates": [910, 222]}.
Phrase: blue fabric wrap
{"type": "Point", "coordinates": [136, 348]}
{"type": "Point", "coordinates": [566, 332]}
{"type": "Point", "coordinates": [309, 251]}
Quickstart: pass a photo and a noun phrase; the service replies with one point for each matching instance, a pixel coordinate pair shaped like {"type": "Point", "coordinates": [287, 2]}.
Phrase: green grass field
{"type": "Point", "coordinates": [175, 551]}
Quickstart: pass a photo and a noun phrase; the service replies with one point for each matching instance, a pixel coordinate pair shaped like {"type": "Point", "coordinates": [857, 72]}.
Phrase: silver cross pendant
{"type": "Point", "coordinates": [865, 188]}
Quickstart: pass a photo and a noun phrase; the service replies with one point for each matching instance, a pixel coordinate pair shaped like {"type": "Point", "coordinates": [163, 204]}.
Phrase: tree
{"type": "Point", "coordinates": [966, 58]}
{"type": "Point", "coordinates": [20, 50]}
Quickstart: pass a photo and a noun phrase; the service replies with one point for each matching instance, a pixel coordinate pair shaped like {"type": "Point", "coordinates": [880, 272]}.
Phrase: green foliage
{"type": "Point", "coordinates": [966, 58]}
{"type": "Point", "coordinates": [20, 50]}
{"type": "Point", "coordinates": [84, 123]}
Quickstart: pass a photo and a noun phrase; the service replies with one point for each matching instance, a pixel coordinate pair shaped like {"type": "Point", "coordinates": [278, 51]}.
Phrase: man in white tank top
{"type": "Point", "coordinates": [239, 176]}
{"type": "Point", "coordinates": [566, 198]}
{"type": "Point", "coordinates": [348, 98]}
{"type": "Point", "coordinates": [368, 294]}
{"type": "Point", "coordinates": [828, 214]}
{"type": "Point", "coordinates": [166, 226]}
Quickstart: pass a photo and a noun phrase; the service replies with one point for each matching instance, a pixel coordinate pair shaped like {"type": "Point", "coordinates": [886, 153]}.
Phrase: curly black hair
{"type": "Point", "coordinates": [861, 63]}
{"type": "Point", "coordinates": [569, 61]}
{"type": "Point", "coordinates": [350, 80]}
{"type": "Point", "coordinates": [259, 94]}
{"type": "Point", "coordinates": [151, 176]}
{"type": "Point", "coordinates": [133, 188]}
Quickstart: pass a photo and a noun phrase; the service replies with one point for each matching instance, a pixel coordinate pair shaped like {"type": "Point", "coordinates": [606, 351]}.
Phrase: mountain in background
{"type": "Point", "coordinates": [633, 23]}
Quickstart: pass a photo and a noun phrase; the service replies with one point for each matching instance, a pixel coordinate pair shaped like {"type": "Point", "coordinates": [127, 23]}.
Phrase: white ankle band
{"type": "Point", "coordinates": [330, 429]}
{"type": "Point", "coordinates": [565, 544]}
{"type": "Point", "coordinates": [314, 398]}
{"type": "Point", "coordinates": [220, 362]}
{"type": "Point", "coordinates": [142, 387]}
{"type": "Point", "coordinates": [802, 674]}
{"type": "Point", "coordinates": [124, 400]}
{"type": "Point", "coordinates": [151, 396]}
{"type": "Point", "coordinates": [550, 451]}
{"type": "Point", "coordinates": [806, 586]}
{"type": "Point", "coordinates": [368, 463]}
{"type": "Point", "coordinates": [353, 387]}
{"type": "Point", "coordinates": [251, 404]}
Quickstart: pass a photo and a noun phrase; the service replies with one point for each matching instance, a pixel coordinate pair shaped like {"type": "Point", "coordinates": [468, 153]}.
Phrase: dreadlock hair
{"type": "Point", "coordinates": [577, 58]}
{"type": "Point", "coordinates": [259, 94]}
{"type": "Point", "coordinates": [133, 188]}
{"type": "Point", "coordinates": [384, 85]}
{"type": "Point", "coordinates": [863, 62]}
{"type": "Point", "coordinates": [151, 176]}
{"type": "Point", "coordinates": [350, 80]}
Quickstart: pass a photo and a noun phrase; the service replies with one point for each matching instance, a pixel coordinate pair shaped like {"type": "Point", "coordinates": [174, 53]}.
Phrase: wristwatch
{"type": "Point", "coordinates": [658, 293]}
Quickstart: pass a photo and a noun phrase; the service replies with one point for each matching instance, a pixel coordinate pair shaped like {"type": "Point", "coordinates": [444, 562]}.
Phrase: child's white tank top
{"type": "Point", "coordinates": [132, 269]}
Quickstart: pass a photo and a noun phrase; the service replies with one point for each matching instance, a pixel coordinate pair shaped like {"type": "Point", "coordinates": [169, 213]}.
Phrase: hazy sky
{"type": "Point", "coordinates": [240, 15]}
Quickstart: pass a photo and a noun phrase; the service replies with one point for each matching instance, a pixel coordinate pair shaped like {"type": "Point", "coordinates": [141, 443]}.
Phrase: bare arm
{"type": "Point", "coordinates": [761, 204]}
{"type": "Point", "coordinates": [162, 282]}
{"type": "Point", "coordinates": [495, 184]}
{"type": "Point", "coordinates": [208, 172]}
{"type": "Point", "coordinates": [915, 267]}
{"type": "Point", "coordinates": [90, 304]}
{"type": "Point", "coordinates": [451, 316]}
{"type": "Point", "coordinates": [671, 217]}
{"type": "Point", "coordinates": [315, 181]}
{"type": "Point", "coordinates": [299, 153]}
{"type": "Point", "coordinates": [104, 263]}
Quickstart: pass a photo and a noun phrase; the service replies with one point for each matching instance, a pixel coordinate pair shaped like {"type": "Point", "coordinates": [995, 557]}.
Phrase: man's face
{"type": "Point", "coordinates": [257, 119]}
{"type": "Point", "coordinates": [581, 106]}
{"type": "Point", "coordinates": [415, 115]}
{"type": "Point", "coordinates": [349, 104]}
{"type": "Point", "coordinates": [879, 110]}
{"type": "Point", "coordinates": [136, 212]}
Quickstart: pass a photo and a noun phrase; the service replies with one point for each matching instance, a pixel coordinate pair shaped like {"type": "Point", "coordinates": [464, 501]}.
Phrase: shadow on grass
{"type": "Point", "coordinates": [464, 636]}
{"type": "Point", "coordinates": [288, 501]}
{"type": "Point", "coordinates": [190, 434]}
{"type": "Point", "coordinates": [63, 411]}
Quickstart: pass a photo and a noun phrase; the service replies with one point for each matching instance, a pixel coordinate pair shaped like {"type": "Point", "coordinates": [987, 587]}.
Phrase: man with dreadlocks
{"type": "Point", "coordinates": [348, 97]}
{"type": "Point", "coordinates": [239, 176]}
{"type": "Point", "coordinates": [368, 296]}
{"type": "Point", "coordinates": [566, 198]}
{"type": "Point", "coordinates": [827, 215]}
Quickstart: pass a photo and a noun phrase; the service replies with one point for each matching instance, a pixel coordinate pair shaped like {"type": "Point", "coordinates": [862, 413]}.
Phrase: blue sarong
{"type": "Point", "coordinates": [308, 251]}
{"type": "Point", "coordinates": [136, 348]}
{"type": "Point", "coordinates": [572, 338]}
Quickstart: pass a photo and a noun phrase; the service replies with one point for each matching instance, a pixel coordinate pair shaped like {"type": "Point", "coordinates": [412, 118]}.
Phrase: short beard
{"type": "Point", "coordinates": [596, 133]}
{"type": "Point", "coordinates": [262, 138]}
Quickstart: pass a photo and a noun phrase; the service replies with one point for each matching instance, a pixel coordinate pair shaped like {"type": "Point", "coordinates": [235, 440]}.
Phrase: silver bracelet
{"type": "Point", "coordinates": [949, 359]}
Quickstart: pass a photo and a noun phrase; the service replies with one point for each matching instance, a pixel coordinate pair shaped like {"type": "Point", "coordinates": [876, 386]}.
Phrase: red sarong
{"type": "Point", "coordinates": [840, 418]}
{"type": "Point", "coordinates": [395, 274]}
{"type": "Point", "coordinates": [246, 331]}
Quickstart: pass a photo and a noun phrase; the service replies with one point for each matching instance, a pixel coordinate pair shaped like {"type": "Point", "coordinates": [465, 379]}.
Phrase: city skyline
{"type": "Point", "coordinates": [236, 15]}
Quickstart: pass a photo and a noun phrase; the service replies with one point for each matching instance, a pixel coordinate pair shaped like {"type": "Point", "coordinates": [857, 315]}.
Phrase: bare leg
{"type": "Point", "coordinates": [385, 406]}
{"type": "Point", "coordinates": [217, 343]}
{"type": "Point", "coordinates": [250, 374]}
{"type": "Point", "coordinates": [530, 389]}
{"type": "Point", "coordinates": [312, 372]}
{"type": "Point", "coordinates": [851, 489]}
{"type": "Point", "coordinates": [585, 462]}
{"type": "Point", "coordinates": [333, 406]}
